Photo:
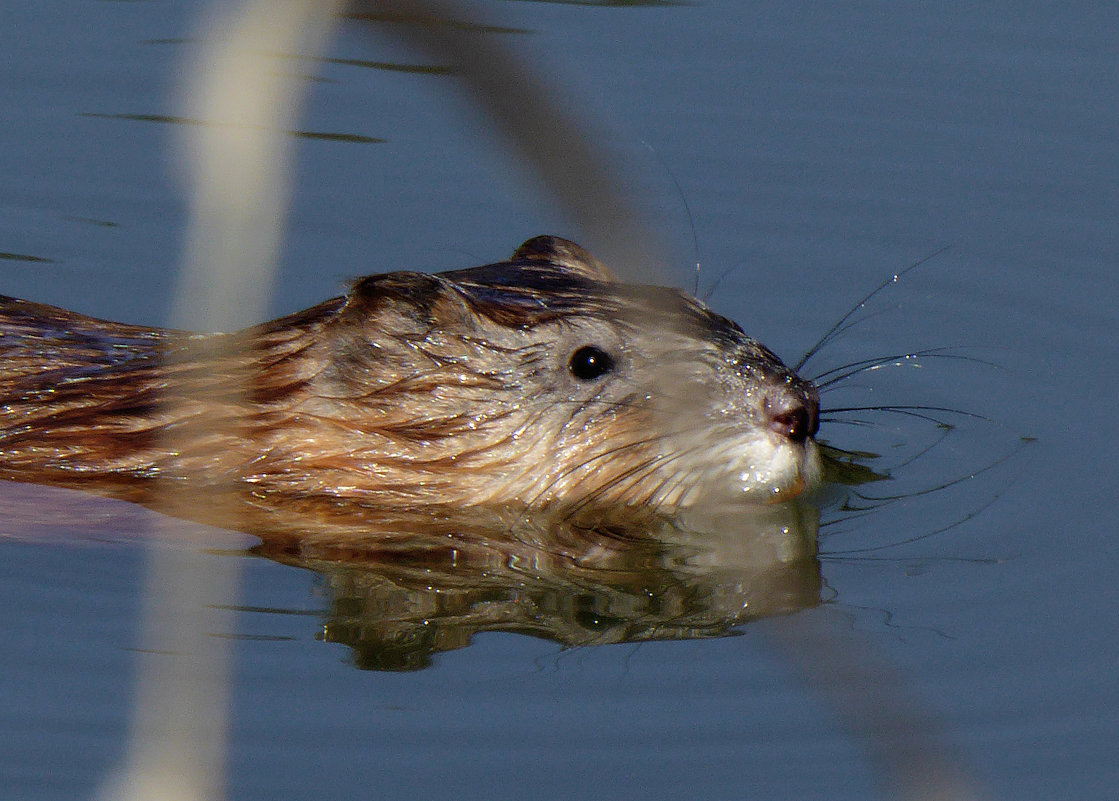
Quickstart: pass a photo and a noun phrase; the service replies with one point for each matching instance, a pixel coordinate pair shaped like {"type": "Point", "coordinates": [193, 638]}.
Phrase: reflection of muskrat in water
{"type": "Point", "coordinates": [537, 381]}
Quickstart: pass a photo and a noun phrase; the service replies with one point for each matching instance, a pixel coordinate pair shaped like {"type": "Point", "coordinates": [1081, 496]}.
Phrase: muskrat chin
{"type": "Point", "coordinates": [753, 468]}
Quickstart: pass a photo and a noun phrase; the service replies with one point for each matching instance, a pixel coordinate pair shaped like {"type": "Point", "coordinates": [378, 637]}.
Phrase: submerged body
{"type": "Point", "coordinates": [538, 382]}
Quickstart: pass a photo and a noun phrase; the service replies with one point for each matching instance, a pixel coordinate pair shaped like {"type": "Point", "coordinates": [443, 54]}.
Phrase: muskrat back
{"type": "Point", "coordinates": [540, 381]}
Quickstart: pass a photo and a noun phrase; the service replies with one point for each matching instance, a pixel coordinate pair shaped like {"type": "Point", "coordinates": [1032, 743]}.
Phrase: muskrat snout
{"type": "Point", "coordinates": [793, 411]}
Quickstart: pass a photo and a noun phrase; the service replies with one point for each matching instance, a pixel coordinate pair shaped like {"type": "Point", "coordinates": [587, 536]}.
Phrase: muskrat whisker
{"type": "Point", "coordinates": [879, 360]}
{"type": "Point", "coordinates": [634, 474]}
{"type": "Point", "coordinates": [854, 512]}
{"type": "Point", "coordinates": [835, 452]}
{"type": "Point", "coordinates": [657, 494]}
{"type": "Point", "coordinates": [635, 444]}
{"type": "Point", "coordinates": [687, 210]}
{"type": "Point", "coordinates": [632, 478]}
{"type": "Point", "coordinates": [586, 407]}
{"type": "Point", "coordinates": [688, 479]}
{"type": "Point", "coordinates": [601, 455]}
{"type": "Point", "coordinates": [840, 421]}
{"type": "Point", "coordinates": [715, 284]}
{"type": "Point", "coordinates": [918, 538]}
{"type": "Point", "coordinates": [831, 333]}
{"type": "Point", "coordinates": [928, 418]}
{"type": "Point", "coordinates": [859, 422]}
{"type": "Point", "coordinates": [857, 322]}
{"type": "Point", "coordinates": [912, 409]}
{"type": "Point", "coordinates": [825, 524]}
{"type": "Point", "coordinates": [862, 510]}
{"type": "Point", "coordinates": [896, 360]}
{"type": "Point", "coordinates": [945, 432]}
{"type": "Point", "coordinates": [942, 486]}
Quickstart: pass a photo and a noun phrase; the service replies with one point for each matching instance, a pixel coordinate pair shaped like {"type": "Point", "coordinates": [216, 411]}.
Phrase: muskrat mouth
{"type": "Point", "coordinates": [786, 494]}
{"type": "Point", "coordinates": [790, 470]}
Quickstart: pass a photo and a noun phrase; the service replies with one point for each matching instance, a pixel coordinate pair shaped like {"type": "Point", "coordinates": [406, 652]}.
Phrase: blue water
{"type": "Point", "coordinates": [820, 148]}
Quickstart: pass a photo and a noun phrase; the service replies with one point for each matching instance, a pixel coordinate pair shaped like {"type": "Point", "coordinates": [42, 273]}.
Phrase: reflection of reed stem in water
{"type": "Point", "coordinates": [903, 740]}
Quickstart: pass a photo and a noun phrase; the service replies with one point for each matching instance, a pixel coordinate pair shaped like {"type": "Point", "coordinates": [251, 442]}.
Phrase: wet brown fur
{"type": "Point", "coordinates": [412, 389]}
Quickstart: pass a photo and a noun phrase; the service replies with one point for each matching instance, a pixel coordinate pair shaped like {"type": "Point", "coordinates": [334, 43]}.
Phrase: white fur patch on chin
{"type": "Point", "coordinates": [765, 468]}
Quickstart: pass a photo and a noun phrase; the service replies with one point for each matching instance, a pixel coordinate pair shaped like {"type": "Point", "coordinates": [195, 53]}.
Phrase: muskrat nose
{"type": "Point", "coordinates": [791, 416]}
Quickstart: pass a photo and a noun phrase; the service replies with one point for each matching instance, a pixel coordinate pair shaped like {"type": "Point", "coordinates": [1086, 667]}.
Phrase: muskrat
{"type": "Point", "coordinates": [542, 381]}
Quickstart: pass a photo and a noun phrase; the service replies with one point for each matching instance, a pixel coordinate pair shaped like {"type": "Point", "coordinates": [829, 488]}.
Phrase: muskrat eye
{"type": "Point", "coordinates": [589, 363]}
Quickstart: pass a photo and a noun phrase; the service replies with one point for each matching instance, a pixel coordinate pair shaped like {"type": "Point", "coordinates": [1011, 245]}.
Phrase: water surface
{"type": "Point", "coordinates": [819, 149]}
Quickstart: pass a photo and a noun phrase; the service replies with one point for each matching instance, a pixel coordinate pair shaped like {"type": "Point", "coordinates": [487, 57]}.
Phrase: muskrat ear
{"type": "Point", "coordinates": [566, 254]}
{"type": "Point", "coordinates": [415, 289]}
{"type": "Point", "coordinates": [406, 300]}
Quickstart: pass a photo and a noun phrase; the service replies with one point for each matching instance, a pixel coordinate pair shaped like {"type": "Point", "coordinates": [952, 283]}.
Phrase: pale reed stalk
{"type": "Point", "coordinates": [238, 176]}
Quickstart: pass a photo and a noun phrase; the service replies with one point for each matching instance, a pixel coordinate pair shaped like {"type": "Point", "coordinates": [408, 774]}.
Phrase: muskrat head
{"type": "Point", "coordinates": [543, 381]}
